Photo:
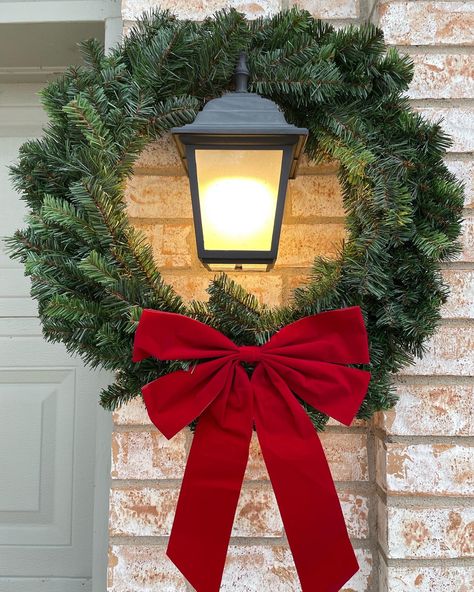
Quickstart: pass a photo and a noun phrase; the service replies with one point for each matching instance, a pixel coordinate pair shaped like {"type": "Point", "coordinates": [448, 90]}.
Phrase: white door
{"type": "Point", "coordinates": [54, 438]}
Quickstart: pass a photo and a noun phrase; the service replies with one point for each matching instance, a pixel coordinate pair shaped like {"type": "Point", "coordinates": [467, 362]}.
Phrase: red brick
{"type": "Point", "coordinates": [464, 171]}
{"type": "Point", "coordinates": [298, 280]}
{"type": "Point", "coordinates": [457, 122]}
{"type": "Point", "coordinates": [199, 9]}
{"type": "Point", "coordinates": [158, 197]}
{"type": "Point", "coordinates": [160, 157]}
{"type": "Point", "coordinates": [256, 469]}
{"type": "Point", "coordinates": [189, 284]}
{"type": "Point", "coordinates": [136, 568]}
{"type": "Point", "coordinates": [450, 352]}
{"type": "Point", "coordinates": [428, 533]}
{"type": "Point", "coordinates": [467, 240]}
{"type": "Point", "coordinates": [356, 423]}
{"type": "Point", "coordinates": [315, 195]}
{"type": "Point", "coordinates": [149, 511]}
{"type": "Point", "coordinates": [355, 508]}
{"type": "Point", "coordinates": [132, 413]}
{"type": "Point", "coordinates": [362, 581]}
{"type": "Point", "coordinates": [426, 469]}
{"type": "Point", "coordinates": [347, 455]}
{"type": "Point", "coordinates": [173, 244]}
{"type": "Point", "coordinates": [441, 76]}
{"type": "Point", "coordinates": [267, 288]}
{"type": "Point", "coordinates": [147, 455]}
{"type": "Point", "coordinates": [301, 243]}
{"type": "Point", "coordinates": [257, 567]}
{"type": "Point", "coordinates": [336, 9]}
{"type": "Point", "coordinates": [142, 511]}
{"type": "Point", "coordinates": [423, 410]}
{"type": "Point", "coordinates": [420, 578]}
{"type": "Point", "coordinates": [427, 23]}
{"type": "Point", "coordinates": [460, 303]}
{"type": "Point", "coordinates": [307, 166]}
{"type": "Point", "coordinates": [193, 285]}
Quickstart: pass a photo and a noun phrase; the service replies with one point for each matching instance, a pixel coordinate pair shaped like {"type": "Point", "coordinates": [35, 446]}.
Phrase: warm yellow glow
{"type": "Point", "coordinates": [227, 203]}
{"type": "Point", "coordinates": [238, 193]}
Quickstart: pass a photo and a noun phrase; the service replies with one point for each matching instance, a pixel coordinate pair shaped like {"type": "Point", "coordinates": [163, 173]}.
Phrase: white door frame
{"type": "Point", "coordinates": [24, 128]}
{"type": "Point", "coordinates": [113, 34]}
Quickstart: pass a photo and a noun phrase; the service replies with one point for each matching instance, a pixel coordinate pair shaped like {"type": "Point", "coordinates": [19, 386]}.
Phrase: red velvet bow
{"type": "Point", "coordinates": [305, 358]}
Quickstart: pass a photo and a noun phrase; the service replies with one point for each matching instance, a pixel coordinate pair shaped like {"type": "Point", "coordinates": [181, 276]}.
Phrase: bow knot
{"type": "Point", "coordinates": [307, 358]}
{"type": "Point", "coordinates": [250, 354]}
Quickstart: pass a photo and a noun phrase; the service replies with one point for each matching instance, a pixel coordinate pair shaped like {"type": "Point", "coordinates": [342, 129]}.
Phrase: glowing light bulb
{"type": "Point", "coordinates": [238, 194]}
{"type": "Point", "coordinates": [238, 208]}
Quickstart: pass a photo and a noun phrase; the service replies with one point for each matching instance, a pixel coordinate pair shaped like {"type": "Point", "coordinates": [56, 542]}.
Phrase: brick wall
{"type": "Point", "coordinates": [403, 480]}
{"type": "Point", "coordinates": [425, 460]}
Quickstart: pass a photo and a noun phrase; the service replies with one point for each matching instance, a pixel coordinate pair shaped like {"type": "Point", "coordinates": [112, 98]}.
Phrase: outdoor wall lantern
{"type": "Point", "coordinates": [239, 154]}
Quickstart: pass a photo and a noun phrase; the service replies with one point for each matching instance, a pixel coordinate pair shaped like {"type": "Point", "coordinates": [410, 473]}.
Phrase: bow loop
{"type": "Point", "coordinates": [170, 336]}
{"type": "Point", "coordinates": [335, 336]}
{"type": "Point", "coordinates": [309, 355]}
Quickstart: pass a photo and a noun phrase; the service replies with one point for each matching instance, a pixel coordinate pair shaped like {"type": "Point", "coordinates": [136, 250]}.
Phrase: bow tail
{"type": "Point", "coordinates": [303, 486]}
{"type": "Point", "coordinates": [208, 498]}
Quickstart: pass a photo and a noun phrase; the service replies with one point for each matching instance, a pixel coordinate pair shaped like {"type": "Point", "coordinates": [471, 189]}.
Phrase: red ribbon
{"type": "Point", "coordinates": [305, 358]}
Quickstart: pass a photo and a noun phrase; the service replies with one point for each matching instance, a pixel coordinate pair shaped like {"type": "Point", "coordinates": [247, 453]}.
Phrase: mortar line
{"type": "Point", "coordinates": [356, 487]}
{"type": "Point", "coordinates": [323, 169]}
{"type": "Point", "coordinates": [121, 428]}
{"type": "Point", "coordinates": [238, 541]}
{"type": "Point", "coordinates": [442, 103]}
{"type": "Point", "coordinates": [424, 439]}
{"type": "Point", "coordinates": [372, 517]}
{"type": "Point", "coordinates": [433, 380]}
{"type": "Point", "coordinates": [427, 503]}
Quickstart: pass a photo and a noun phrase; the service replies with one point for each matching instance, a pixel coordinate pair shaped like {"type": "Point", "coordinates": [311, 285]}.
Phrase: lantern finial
{"type": "Point", "coordinates": [241, 74]}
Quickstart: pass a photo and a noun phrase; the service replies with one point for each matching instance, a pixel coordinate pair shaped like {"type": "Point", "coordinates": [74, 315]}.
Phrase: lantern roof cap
{"type": "Point", "coordinates": [241, 118]}
{"type": "Point", "coordinates": [240, 113]}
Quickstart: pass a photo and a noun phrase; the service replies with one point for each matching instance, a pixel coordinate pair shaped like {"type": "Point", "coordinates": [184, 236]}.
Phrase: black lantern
{"type": "Point", "coordinates": [239, 154]}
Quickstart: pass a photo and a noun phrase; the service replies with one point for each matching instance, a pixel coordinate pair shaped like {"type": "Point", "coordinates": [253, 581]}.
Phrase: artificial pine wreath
{"type": "Point", "coordinates": [93, 273]}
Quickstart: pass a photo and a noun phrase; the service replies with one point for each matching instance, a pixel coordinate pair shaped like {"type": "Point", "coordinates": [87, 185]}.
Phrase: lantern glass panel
{"type": "Point", "coordinates": [238, 194]}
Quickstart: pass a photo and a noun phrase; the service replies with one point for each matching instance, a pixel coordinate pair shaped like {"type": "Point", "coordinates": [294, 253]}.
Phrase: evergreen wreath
{"type": "Point", "coordinates": [93, 273]}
